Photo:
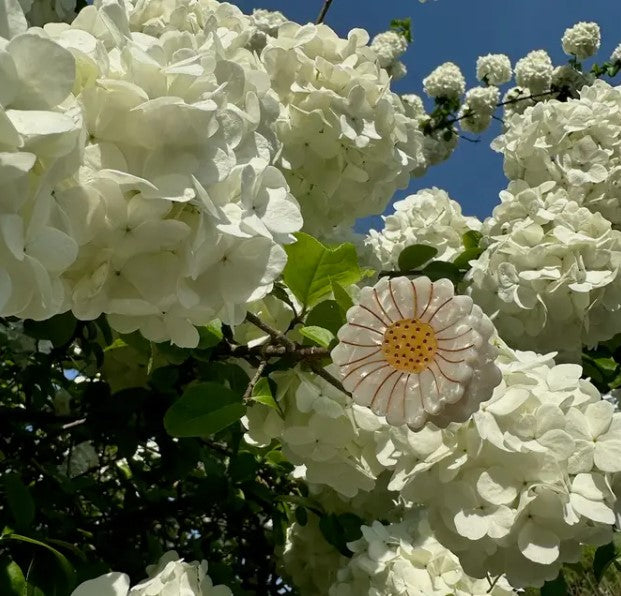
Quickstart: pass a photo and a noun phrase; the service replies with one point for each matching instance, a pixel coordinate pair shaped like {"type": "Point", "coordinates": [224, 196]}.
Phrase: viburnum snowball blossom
{"type": "Point", "coordinates": [429, 217]}
{"type": "Point", "coordinates": [171, 575]}
{"type": "Point", "coordinates": [582, 40]}
{"type": "Point", "coordinates": [569, 80]}
{"type": "Point", "coordinates": [406, 558]}
{"type": "Point", "coordinates": [347, 142]}
{"type": "Point", "coordinates": [534, 71]}
{"type": "Point", "coordinates": [550, 275]}
{"type": "Point", "coordinates": [575, 143]}
{"type": "Point", "coordinates": [445, 81]}
{"type": "Point", "coordinates": [389, 47]}
{"type": "Point", "coordinates": [414, 352]}
{"type": "Point", "coordinates": [494, 69]}
{"type": "Point", "coordinates": [520, 487]}
{"type": "Point", "coordinates": [478, 108]}
{"type": "Point", "coordinates": [616, 54]}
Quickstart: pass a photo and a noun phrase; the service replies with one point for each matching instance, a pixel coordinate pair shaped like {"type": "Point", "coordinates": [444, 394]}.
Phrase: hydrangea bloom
{"type": "Point", "coordinates": [405, 558]}
{"type": "Point", "coordinates": [534, 71]}
{"type": "Point", "coordinates": [515, 101]}
{"type": "Point", "coordinates": [582, 40]}
{"type": "Point", "coordinates": [518, 488]}
{"type": "Point", "coordinates": [389, 47]}
{"type": "Point", "coordinates": [426, 217]}
{"type": "Point", "coordinates": [569, 80]}
{"type": "Point", "coordinates": [550, 275]}
{"type": "Point", "coordinates": [575, 143]}
{"type": "Point", "coordinates": [478, 108]}
{"type": "Point", "coordinates": [347, 142]}
{"type": "Point", "coordinates": [414, 352]}
{"type": "Point", "coordinates": [171, 575]}
{"type": "Point", "coordinates": [445, 81]}
{"type": "Point", "coordinates": [494, 69]}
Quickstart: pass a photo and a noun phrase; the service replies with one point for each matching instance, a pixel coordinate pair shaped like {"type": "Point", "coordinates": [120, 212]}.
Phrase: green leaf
{"type": "Point", "coordinates": [440, 269]}
{"type": "Point", "coordinates": [413, 257]}
{"type": "Point", "coordinates": [12, 580]}
{"type": "Point", "coordinates": [311, 268]}
{"type": "Point", "coordinates": [210, 335]}
{"type": "Point", "coordinates": [603, 558]}
{"type": "Point", "coordinates": [341, 296]}
{"type": "Point", "coordinates": [338, 530]}
{"type": "Point", "coordinates": [59, 329]}
{"type": "Point", "coordinates": [262, 393]}
{"type": "Point", "coordinates": [327, 314]}
{"type": "Point", "coordinates": [462, 260]}
{"type": "Point", "coordinates": [301, 515]}
{"type": "Point", "coordinates": [556, 587]}
{"type": "Point", "coordinates": [322, 337]}
{"type": "Point", "coordinates": [202, 410]}
{"type": "Point", "coordinates": [20, 501]}
{"type": "Point", "coordinates": [65, 565]}
{"type": "Point", "coordinates": [471, 239]}
{"type": "Point", "coordinates": [403, 27]}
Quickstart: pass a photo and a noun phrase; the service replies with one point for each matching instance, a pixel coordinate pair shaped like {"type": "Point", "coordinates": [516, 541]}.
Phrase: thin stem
{"type": "Point", "coordinates": [324, 374]}
{"type": "Point", "coordinates": [276, 335]}
{"type": "Point", "coordinates": [254, 380]}
{"type": "Point", "coordinates": [323, 12]}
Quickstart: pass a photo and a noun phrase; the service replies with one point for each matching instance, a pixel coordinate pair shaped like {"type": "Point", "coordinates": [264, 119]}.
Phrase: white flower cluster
{"type": "Point", "coordinates": [522, 485]}
{"type": "Point", "coordinates": [494, 69]}
{"type": "Point", "coordinates": [478, 108]}
{"type": "Point", "coordinates": [429, 217]}
{"type": "Point", "coordinates": [575, 143]}
{"type": "Point", "coordinates": [266, 22]}
{"type": "Point", "coordinates": [534, 71]}
{"type": "Point", "coordinates": [171, 576]}
{"type": "Point", "coordinates": [550, 275]}
{"type": "Point", "coordinates": [329, 439]}
{"type": "Point", "coordinates": [147, 193]}
{"type": "Point", "coordinates": [389, 47]}
{"type": "Point", "coordinates": [445, 81]}
{"type": "Point", "coordinates": [347, 141]}
{"type": "Point", "coordinates": [405, 558]}
{"type": "Point", "coordinates": [582, 40]}
{"type": "Point", "coordinates": [616, 54]}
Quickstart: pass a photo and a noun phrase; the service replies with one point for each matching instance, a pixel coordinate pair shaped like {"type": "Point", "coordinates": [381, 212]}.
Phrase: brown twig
{"type": "Point", "coordinates": [276, 335]}
{"type": "Point", "coordinates": [323, 12]}
{"type": "Point", "coordinates": [254, 380]}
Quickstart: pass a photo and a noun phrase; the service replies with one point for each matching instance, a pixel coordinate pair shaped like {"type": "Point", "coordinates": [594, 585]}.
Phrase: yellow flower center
{"type": "Point", "coordinates": [409, 345]}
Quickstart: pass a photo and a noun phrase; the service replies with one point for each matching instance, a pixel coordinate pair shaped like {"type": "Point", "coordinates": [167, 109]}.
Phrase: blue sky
{"type": "Point", "coordinates": [460, 31]}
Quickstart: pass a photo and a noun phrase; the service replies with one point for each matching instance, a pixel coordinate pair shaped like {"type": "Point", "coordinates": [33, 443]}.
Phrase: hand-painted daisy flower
{"type": "Point", "coordinates": [414, 352]}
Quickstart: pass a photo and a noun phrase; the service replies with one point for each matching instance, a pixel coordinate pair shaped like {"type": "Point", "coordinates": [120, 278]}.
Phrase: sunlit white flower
{"type": "Point", "coordinates": [582, 40]}
{"type": "Point", "coordinates": [414, 352]}
{"type": "Point", "coordinates": [534, 71]}
{"type": "Point", "coordinates": [494, 69]}
{"type": "Point", "coordinates": [478, 108]}
{"type": "Point", "coordinates": [445, 81]}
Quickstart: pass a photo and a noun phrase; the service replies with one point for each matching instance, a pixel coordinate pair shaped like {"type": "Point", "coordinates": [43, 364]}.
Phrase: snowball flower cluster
{"type": "Point", "coordinates": [389, 47]}
{"type": "Point", "coordinates": [347, 141]}
{"type": "Point", "coordinates": [575, 143]}
{"type": "Point", "coordinates": [171, 575]}
{"type": "Point", "coordinates": [582, 40]}
{"type": "Point", "coordinates": [406, 558]}
{"type": "Point", "coordinates": [478, 108]}
{"type": "Point", "coordinates": [616, 54]}
{"type": "Point", "coordinates": [534, 71]}
{"type": "Point", "coordinates": [429, 217]}
{"type": "Point", "coordinates": [520, 487]}
{"type": "Point", "coordinates": [445, 81]}
{"type": "Point", "coordinates": [494, 69]}
{"type": "Point", "coordinates": [414, 352]}
{"type": "Point", "coordinates": [550, 275]}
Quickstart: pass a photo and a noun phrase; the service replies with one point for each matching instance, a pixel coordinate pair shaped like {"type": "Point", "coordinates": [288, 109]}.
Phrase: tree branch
{"type": "Point", "coordinates": [323, 12]}
{"type": "Point", "coordinates": [254, 380]}
{"type": "Point", "coordinates": [276, 335]}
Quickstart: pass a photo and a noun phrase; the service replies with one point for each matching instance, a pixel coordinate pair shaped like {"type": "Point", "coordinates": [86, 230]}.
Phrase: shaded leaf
{"type": "Point", "coordinates": [602, 559]}
{"type": "Point", "coordinates": [262, 394]}
{"type": "Point", "coordinates": [12, 580]}
{"type": "Point", "coordinates": [327, 314]}
{"type": "Point", "coordinates": [59, 329]}
{"type": "Point", "coordinates": [440, 269]}
{"type": "Point", "coordinates": [341, 296]}
{"type": "Point", "coordinates": [471, 239]}
{"type": "Point", "coordinates": [413, 257]}
{"type": "Point", "coordinates": [462, 260]}
{"type": "Point", "coordinates": [322, 337]}
{"type": "Point", "coordinates": [20, 500]}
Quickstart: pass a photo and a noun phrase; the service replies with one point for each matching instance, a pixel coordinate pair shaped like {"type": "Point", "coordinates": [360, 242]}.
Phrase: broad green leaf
{"type": "Point", "coordinates": [462, 260]}
{"type": "Point", "coordinates": [20, 501]}
{"type": "Point", "coordinates": [262, 394]}
{"type": "Point", "coordinates": [311, 268]}
{"type": "Point", "coordinates": [341, 296]}
{"type": "Point", "coordinates": [59, 329]}
{"type": "Point", "coordinates": [210, 335]}
{"type": "Point", "coordinates": [340, 529]}
{"type": "Point", "coordinates": [603, 558]}
{"type": "Point", "coordinates": [322, 337]}
{"type": "Point", "coordinates": [440, 269]}
{"type": "Point", "coordinates": [471, 239]}
{"type": "Point", "coordinates": [202, 410]}
{"type": "Point", "coordinates": [413, 257]}
{"type": "Point", "coordinates": [327, 314]}
{"type": "Point", "coordinates": [301, 515]}
{"type": "Point", "coordinates": [556, 587]}
{"type": "Point", "coordinates": [65, 565]}
{"type": "Point", "coordinates": [12, 580]}
{"type": "Point", "coordinates": [231, 375]}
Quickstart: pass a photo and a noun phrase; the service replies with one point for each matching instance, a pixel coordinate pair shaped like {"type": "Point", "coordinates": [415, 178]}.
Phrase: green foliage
{"type": "Point", "coordinates": [19, 500]}
{"type": "Point", "coordinates": [327, 314]}
{"type": "Point", "coordinates": [403, 27]}
{"type": "Point", "coordinates": [412, 257]}
{"type": "Point", "coordinates": [203, 410]}
{"type": "Point", "coordinates": [262, 394]}
{"type": "Point", "coordinates": [322, 337]}
{"type": "Point", "coordinates": [312, 267]}
{"type": "Point", "coordinates": [340, 529]}
{"type": "Point", "coordinates": [471, 239]}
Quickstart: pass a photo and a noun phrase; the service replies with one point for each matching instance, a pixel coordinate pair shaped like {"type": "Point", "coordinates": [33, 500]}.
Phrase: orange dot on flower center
{"type": "Point", "coordinates": [409, 345]}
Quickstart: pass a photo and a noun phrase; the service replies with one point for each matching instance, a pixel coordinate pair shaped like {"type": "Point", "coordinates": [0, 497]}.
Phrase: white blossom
{"type": "Point", "coordinates": [534, 71]}
{"type": "Point", "coordinates": [445, 81]}
{"type": "Point", "coordinates": [582, 40]}
{"type": "Point", "coordinates": [389, 47]}
{"type": "Point", "coordinates": [494, 69]}
{"type": "Point", "coordinates": [478, 108]}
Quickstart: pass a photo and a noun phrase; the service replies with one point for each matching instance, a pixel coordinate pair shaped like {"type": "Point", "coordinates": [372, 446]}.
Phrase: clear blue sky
{"type": "Point", "coordinates": [460, 31]}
